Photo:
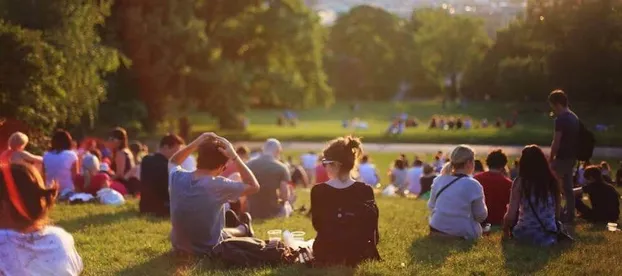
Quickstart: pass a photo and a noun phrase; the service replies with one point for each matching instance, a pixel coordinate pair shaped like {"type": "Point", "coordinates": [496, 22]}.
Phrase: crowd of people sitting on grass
{"type": "Point", "coordinates": [457, 123]}
{"type": "Point", "coordinates": [211, 200]}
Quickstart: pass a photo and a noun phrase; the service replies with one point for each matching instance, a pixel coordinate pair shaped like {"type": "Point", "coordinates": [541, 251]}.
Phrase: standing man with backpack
{"type": "Point", "coordinates": [564, 152]}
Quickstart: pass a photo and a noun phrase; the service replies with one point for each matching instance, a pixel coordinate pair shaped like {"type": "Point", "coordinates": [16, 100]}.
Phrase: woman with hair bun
{"type": "Point", "coordinates": [457, 200]}
{"type": "Point", "coordinates": [28, 244]}
{"type": "Point", "coordinates": [345, 214]}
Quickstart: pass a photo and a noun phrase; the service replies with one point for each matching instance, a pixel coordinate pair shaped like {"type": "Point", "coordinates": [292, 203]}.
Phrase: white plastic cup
{"type": "Point", "coordinates": [612, 227]}
{"type": "Point", "coordinates": [298, 236]}
{"type": "Point", "coordinates": [275, 235]}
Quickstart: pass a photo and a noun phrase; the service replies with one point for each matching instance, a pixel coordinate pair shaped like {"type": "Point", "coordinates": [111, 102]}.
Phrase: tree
{"type": "Point", "coordinates": [31, 72]}
{"type": "Point", "coordinates": [449, 45]}
{"type": "Point", "coordinates": [70, 28]}
{"type": "Point", "coordinates": [367, 50]}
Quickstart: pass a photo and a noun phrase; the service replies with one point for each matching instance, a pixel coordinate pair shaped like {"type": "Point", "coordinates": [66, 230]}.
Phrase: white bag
{"type": "Point", "coordinates": [109, 196]}
{"type": "Point", "coordinates": [389, 190]}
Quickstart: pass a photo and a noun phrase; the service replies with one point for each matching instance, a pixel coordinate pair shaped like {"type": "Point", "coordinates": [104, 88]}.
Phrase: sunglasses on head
{"type": "Point", "coordinates": [328, 162]}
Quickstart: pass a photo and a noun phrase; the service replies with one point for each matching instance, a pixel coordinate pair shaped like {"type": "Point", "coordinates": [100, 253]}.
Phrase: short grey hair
{"type": "Point", "coordinates": [272, 146]}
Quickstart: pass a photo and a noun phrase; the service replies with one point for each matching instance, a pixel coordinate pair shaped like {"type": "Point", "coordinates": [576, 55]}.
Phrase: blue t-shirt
{"type": "Point", "coordinates": [568, 124]}
{"type": "Point", "coordinates": [197, 210]}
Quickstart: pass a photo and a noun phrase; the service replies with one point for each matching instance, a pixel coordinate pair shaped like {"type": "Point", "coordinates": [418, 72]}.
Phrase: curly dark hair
{"type": "Point", "coordinates": [496, 159]}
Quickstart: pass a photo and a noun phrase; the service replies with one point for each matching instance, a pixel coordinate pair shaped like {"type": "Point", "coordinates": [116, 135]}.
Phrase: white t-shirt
{"type": "Point", "coordinates": [308, 161]}
{"type": "Point", "coordinates": [48, 252]}
{"type": "Point", "coordinates": [190, 164]}
{"type": "Point", "coordinates": [367, 173]}
{"type": "Point", "coordinates": [58, 168]}
{"type": "Point", "coordinates": [414, 180]}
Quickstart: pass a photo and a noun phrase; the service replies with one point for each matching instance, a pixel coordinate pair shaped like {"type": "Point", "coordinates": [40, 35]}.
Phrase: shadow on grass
{"type": "Point", "coordinates": [522, 259]}
{"type": "Point", "coordinates": [434, 251]}
{"type": "Point", "coordinates": [171, 264]}
{"type": "Point", "coordinates": [74, 225]}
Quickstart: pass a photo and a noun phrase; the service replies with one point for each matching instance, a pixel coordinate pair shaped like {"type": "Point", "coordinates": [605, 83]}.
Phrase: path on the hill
{"type": "Point", "coordinates": [601, 152]}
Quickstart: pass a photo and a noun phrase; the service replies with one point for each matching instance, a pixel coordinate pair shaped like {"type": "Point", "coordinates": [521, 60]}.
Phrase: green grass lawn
{"type": "Point", "coordinates": [119, 241]}
{"type": "Point", "coordinates": [321, 124]}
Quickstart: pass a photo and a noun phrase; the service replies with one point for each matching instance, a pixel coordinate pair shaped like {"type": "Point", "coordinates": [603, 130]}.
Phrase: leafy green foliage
{"type": "Point", "coordinates": [69, 27]}
{"type": "Point", "coordinates": [30, 78]}
{"type": "Point", "coordinates": [449, 44]}
{"type": "Point", "coordinates": [367, 53]}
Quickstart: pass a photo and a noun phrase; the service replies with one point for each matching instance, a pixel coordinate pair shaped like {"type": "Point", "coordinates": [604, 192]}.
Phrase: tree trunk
{"type": "Point", "coordinates": [184, 127]}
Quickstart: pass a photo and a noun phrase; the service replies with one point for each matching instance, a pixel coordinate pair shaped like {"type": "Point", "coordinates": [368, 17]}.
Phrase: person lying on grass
{"type": "Point", "coordinates": [198, 198]}
{"type": "Point", "coordinates": [28, 244]}
{"type": "Point", "coordinates": [457, 200]}
{"type": "Point", "coordinates": [345, 214]}
{"type": "Point", "coordinates": [604, 198]}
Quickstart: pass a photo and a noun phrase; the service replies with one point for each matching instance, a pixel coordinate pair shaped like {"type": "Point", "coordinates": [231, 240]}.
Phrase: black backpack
{"type": "Point", "coordinates": [251, 252]}
{"type": "Point", "coordinates": [585, 143]}
{"type": "Point", "coordinates": [354, 225]}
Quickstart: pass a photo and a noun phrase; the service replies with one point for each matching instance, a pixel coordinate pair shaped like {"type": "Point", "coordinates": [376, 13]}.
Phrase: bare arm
{"type": "Point", "coordinates": [557, 137]}
{"type": "Point", "coordinates": [284, 191]}
{"type": "Point", "coordinates": [178, 158]}
{"type": "Point", "coordinates": [510, 216]}
{"type": "Point", "coordinates": [74, 170]}
{"type": "Point", "coordinates": [31, 158]}
{"type": "Point", "coordinates": [119, 161]}
{"type": "Point", "coordinates": [248, 178]}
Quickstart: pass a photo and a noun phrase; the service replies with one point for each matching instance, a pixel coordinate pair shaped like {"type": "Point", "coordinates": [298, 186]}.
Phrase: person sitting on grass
{"type": "Point", "coordinates": [457, 200]}
{"type": "Point", "coordinates": [345, 214]}
{"type": "Point", "coordinates": [29, 245]}
{"type": "Point", "coordinates": [368, 173]}
{"type": "Point", "coordinates": [398, 176]}
{"type": "Point", "coordinates": [535, 197]}
{"type": "Point", "coordinates": [604, 198]}
{"type": "Point", "coordinates": [414, 177]}
{"type": "Point", "coordinates": [198, 198]}
{"type": "Point", "coordinates": [92, 179]}
{"type": "Point", "coordinates": [271, 201]}
{"type": "Point", "coordinates": [154, 175]}
{"type": "Point", "coordinates": [496, 186]}
{"type": "Point", "coordinates": [320, 171]}
{"type": "Point", "coordinates": [17, 152]}
{"type": "Point", "coordinates": [426, 182]}
{"type": "Point", "coordinates": [60, 164]}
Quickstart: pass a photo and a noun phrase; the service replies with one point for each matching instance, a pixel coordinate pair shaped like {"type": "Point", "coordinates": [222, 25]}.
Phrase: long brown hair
{"type": "Point", "coordinates": [537, 178]}
{"type": "Point", "coordinates": [22, 187]}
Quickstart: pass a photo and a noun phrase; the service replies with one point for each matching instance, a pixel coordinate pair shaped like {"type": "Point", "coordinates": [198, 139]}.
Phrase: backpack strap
{"type": "Point", "coordinates": [538, 218]}
{"type": "Point", "coordinates": [447, 186]}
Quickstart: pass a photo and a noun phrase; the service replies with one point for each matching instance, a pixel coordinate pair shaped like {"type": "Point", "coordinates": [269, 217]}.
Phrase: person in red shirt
{"type": "Point", "coordinates": [321, 175]}
{"type": "Point", "coordinates": [496, 186]}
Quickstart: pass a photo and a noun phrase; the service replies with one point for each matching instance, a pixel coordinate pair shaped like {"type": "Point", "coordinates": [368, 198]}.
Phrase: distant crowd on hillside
{"type": "Point", "coordinates": [211, 191]}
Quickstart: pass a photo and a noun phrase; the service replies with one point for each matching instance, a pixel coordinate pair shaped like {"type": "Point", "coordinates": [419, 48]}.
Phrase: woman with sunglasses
{"type": "Point", "coordinates": [345, 214]}
{"type": "Point", "coordinates": [28, 244]}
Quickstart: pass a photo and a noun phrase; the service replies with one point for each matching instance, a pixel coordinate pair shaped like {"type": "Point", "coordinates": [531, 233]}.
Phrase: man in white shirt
{"type": "Point", "coordinates": [308, 161]}
{"type": "Point", "coordinates": [414, 177]}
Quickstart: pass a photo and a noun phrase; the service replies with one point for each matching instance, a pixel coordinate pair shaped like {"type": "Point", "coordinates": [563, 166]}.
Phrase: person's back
{"type": "Point", "coordinates": [453, 213]}
{"type": "Point", "coordinates": [368, 174]}
{"type": "Point", "coordinates": [154, 197]}
{"type": "Point", "coordinates": [343, 239]}
{"type": "Point", "coordinates": [49, 251]}
{"type": "Point", "coordinates": [497, 189]}
{"type": "Point", "coordinates": [414, 179]}
{"type": "Point", "coordinates": [58, 167]}
{"type": "Point", "coordinates": [197, 208]}
{"type": "Point", "coordinates": [605, 201]}
{"type": "Point", "coordinates": [568, 124]}
{"type": "Point", "coordinates": [270, 173]}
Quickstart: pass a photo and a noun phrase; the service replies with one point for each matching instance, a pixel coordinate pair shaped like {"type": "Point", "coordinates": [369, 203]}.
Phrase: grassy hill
{"type": "Point", "coordinates": [321, 124]}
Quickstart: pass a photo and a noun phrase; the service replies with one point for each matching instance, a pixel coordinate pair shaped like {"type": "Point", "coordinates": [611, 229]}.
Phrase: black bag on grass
{"type": "Point", "coordinates": [251, 252]}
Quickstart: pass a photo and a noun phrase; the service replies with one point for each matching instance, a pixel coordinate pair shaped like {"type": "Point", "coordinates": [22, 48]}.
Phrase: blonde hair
{"type": "Point", "coordinates": [459, 157]}
{"type": "Point", "coordinates": [17, 139]}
